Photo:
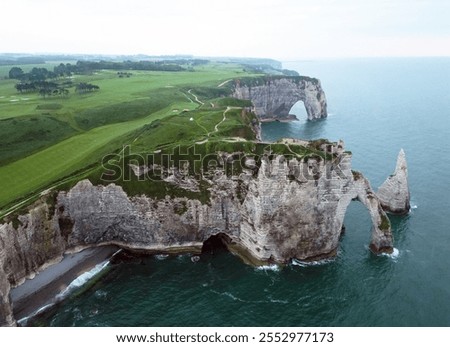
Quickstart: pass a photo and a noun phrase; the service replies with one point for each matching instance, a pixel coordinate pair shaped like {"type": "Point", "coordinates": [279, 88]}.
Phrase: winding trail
{"type": "Point", "coordinates": [216, 127]}
{"type": "Point", "coordinates": [196, 98]}
{"type": "Point", "coordinates": [223, 83]}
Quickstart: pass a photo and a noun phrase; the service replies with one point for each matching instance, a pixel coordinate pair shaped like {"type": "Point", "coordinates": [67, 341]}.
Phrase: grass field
{"type": "Point", "coordinates": [44, 140]}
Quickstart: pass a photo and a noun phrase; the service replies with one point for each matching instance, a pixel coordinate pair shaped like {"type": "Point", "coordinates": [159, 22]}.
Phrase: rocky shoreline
{"type": "Point", "coordinates": [44, 289]}
{"type": "Point", "coordinates": [269, 218]}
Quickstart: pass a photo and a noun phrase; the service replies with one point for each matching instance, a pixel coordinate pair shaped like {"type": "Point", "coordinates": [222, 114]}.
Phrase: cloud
{"type": "Point", "coordinates": [272, 28]}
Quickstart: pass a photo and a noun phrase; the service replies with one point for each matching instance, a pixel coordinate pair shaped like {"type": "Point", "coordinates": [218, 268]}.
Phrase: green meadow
{"type": "Point", "coordinates": [45, 142]}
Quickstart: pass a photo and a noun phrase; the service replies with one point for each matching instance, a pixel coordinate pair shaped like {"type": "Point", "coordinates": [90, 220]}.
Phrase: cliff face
{"type": "Point", "coordinates": [274, 98]}
{"type": "Point", "coordinates": [23, 250]}
{"type": "Point", "coordinates": [289, 209]}
{"type": "Point", "coordinates": [302, 218]}
{"type": "Point", "coordinates": [394, 192]}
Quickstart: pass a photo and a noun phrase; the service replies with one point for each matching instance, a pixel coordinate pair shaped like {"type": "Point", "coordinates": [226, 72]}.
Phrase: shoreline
{"type": "Point", "coordinates": [291, 118]}
{"type": "Point", "coordinates": [41, 292]}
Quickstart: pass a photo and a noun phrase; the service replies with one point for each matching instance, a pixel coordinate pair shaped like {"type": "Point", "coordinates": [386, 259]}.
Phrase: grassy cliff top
{"type": "Point", "coordinates": [49, 142]}
{"type": "Point", "coordinates": [265, 79]}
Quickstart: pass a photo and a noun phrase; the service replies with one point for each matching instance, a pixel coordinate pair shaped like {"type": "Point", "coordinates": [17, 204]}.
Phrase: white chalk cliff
{"type": "Point", "coordinates": [273, 97]}
{"type": "Point", "coordinates": [394, 192]}
{"type": "Point", "coordinates": [287, 209]}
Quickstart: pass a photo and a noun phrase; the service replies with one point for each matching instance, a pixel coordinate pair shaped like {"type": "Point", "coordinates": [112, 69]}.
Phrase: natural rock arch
{"type": "Point", "coordinates": [275, 215]}
{"type": "Point", "coordinates": [273, 97]}
{"type": "Point", "coordinates": [299, 110]}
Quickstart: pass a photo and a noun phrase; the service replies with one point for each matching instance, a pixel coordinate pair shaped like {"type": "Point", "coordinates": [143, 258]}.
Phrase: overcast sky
{"type": "Point", "coordinates": [286, 30]}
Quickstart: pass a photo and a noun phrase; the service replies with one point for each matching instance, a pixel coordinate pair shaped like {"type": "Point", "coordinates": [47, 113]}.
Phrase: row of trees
{"type": "Point", "coordinates": [61, 92]}
{"type": "Point", "coordinates": [124, 74]}
{"type": "Point", "coordinates": [87, 67]}
{"type": "Point", "coordinates": [49, 88]}
{"type": "Point", "coordinates": [26, 87]}
{"type": "Point", "coordinates": [37, 78]}
{"type": "Point", "coordinates": [86, 88]}
{"type": "Point", "coordinates": [44, 88]}
{"type": "Point", "coordinates": [36, 74]}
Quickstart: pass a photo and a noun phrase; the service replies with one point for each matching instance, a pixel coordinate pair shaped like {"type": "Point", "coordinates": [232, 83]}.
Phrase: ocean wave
{"type": "Point", "coordinates": [272, 267]}
{"type": "Point", "coordinates": [394, 255]}
{"type": "Point", "coordinates": [268, 299]}
{"type": "Point", "coordinates": [82, 279]}
{"type": "Point", "coordinates": [75, 284]}
{"type": "Point", "coordinates": [232, 296]}
{"type": "Point", "coordinates": [229, 295]}
{"type": "Point", "coordinates": [24, 320]}
{"type": "Point", "coordinates": [161, 256]}
{"type": "Point", "coordinates": [301, 263]}
{"type": "Point", "coordinates": [101, 294]}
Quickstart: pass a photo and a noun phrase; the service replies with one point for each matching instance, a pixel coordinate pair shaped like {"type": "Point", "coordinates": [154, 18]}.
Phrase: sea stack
{"type": "Point", "coordinates": [394, 192]}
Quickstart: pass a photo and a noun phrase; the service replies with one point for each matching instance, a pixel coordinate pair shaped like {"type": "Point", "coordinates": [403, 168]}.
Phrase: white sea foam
{"type": "Point", "coordinates": [301, 263]}
{"type": "Point", "coordinates": [82, 279]}
{"type": "Point", "coordinates": [231, 296]}
{"type": "Point", "coordinates": [75, 284]}
{"type": "Point", "coordinates": [394, 255]}
{"type": "Point", "coordinates": [101, 294]}
{"type": "Point", "coordinates": [14, 100]}
{"type": "Point", "coordinates": [24, 320]}
{"type": "Point", "coordinates": [268, 268]}
{"type": "Point", "coordinates": [161, 256]}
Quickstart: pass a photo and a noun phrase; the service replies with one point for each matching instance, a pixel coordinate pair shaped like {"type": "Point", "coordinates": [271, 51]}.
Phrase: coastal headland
{"type": "Point", "coordinates": [178, 163]}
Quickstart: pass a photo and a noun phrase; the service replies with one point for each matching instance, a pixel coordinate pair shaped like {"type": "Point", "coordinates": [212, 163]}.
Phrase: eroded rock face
{"type": "Point", "coordinates": [289, 209]}
{"type": "Point", "coordinates": [23, 250]}
{"type": "Point", "coordinates": [302, 219]}
{"type": "Point", "coordinates": [394, 192]}
{"type": "Point", "coordinates": [6, 315]}
{"type": "Point", "coordinates": [274, 98]}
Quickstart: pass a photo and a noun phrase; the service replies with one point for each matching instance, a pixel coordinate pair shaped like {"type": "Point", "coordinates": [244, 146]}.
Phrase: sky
{"type": "Point", "coordinates": [279, 29]}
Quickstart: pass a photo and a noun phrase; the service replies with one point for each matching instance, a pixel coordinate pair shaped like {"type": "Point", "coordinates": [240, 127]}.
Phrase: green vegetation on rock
{"type": "Point", "coordinates": [385, 224]}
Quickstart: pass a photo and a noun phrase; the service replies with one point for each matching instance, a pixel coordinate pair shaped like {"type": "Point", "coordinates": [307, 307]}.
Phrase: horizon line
{"type": "Point", "coordinates": [287, 60]}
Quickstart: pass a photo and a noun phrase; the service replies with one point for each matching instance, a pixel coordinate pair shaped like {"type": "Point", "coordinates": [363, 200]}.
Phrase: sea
{"type": "Point", "coordinates": [376, 106]}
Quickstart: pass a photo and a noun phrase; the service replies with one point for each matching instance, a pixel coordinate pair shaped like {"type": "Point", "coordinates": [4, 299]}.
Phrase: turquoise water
{"type": "Point", "coordinates": [377, 106]}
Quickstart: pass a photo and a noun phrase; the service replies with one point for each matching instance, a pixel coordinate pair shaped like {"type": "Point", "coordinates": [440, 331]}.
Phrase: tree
{"type": "Point", "coordinates": [16, 73]}
{"type": "Point", "coordinates": [19, 87]}
{"type": "Point", "coordinates": [86, 87]}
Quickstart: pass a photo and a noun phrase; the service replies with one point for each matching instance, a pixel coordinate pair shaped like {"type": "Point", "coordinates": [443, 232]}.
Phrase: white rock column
{"type": "Point", "coordinates": [394, 192]}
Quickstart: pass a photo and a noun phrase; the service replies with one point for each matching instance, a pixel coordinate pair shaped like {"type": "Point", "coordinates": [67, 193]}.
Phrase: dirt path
{"type": "Point", "coordinates": [216, 127]}
{"type": "Point", "coordinates": [223, 83]}
{"type": "Point", "coordinates": [196, 97]}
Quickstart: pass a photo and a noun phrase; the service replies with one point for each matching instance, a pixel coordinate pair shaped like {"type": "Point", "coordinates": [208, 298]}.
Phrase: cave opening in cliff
{"type": "Point", "coordinates": [216, 244]}
{"type": "Point", "coordinates": [299, 110]}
